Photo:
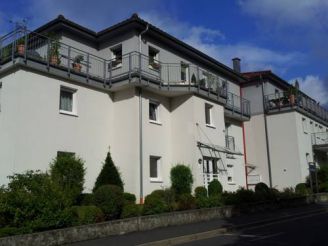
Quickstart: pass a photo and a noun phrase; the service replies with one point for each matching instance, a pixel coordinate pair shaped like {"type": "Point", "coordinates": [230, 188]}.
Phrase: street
{"type": "Point", "coordinates": [294, 226]}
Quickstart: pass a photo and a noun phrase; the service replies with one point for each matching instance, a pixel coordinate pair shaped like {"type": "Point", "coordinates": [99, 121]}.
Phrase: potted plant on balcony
{"type": "Point", "coordinates": [54, 56]}
{"type": "Point", "coordinates": [155, 65]}
{"type": "Point", "coordinates": [21, 46]}
{"type": "Point", "coordinates": [77, 63]}
{"type": "Point", "coordinates": [292, 94]}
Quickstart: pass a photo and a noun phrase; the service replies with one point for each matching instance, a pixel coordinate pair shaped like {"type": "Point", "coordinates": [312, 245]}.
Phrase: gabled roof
{"type": "Point", "coordinates": [135, 22]}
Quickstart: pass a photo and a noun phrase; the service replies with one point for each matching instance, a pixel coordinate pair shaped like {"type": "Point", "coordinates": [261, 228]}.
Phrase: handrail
{"type": "Point", "coordinates": [278, 101]}
{"type": "Point", "coordinates": [54, 53]}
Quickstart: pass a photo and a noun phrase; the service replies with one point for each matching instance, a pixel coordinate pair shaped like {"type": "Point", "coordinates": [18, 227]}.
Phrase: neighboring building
{"type": "Point", "coordinates": [154, 100]}
{"type": "Point", "coordinates": [286, 135]}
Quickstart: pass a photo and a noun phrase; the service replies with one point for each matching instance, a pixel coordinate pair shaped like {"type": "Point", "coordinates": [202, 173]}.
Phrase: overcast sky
{"type": "Point", "coordinates": [289, 37]}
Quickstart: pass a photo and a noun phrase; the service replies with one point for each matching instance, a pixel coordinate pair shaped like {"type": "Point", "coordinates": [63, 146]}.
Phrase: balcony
{"type": "Point", "coordinates": [283, 102]}
{"type": "Point", "coordinates": [320, 141]}
{"type": "Point", "coordinates": [237, 107]}
{"type": "Point", "coordinates": [50, 55]}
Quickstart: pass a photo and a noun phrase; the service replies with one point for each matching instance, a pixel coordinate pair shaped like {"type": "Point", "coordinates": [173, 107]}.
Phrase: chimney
{"type": "Point", "coordinates": [236, 64]}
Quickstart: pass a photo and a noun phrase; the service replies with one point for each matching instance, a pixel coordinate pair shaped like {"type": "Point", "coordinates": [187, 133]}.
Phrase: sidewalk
{"type": "Point", "coordinates": [216, 226]}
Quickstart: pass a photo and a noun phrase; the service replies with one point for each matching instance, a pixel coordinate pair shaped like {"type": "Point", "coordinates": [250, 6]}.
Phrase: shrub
{"type": "Point", "coordinates": [85, 199]}
{"type": "Point", "coordinates": [229, 198]}
{"type": "Point", "coordinates": [129, 198]}
{"type": "Point", "coordinates": [109, 175]}
{"type": "Point", "coordinates": [181, 179]}
{"type": "Point", "coordinates": [155, 203]}
{"type": "Point", "coordinates": [200, 192]}
{"type": "Point", "coordinates": [87, 214]}
{"type": "Point", "coordinates": [302, 189]}
{"type": "Point", "coordinates": [34, 202]}
{"type": "Point", "coordinates": [186, 201]}
{"type": "Point", "coordinates": [244, 196]}
{"type": "Point", "coordinates": [214, 201]}
{"type": "Point", "coordinates": [261, 188]}
{"type": "Point", "coordinates": [109, 198]}
{"type": "Point", "coordinates": [202, 202]}
{"type": "Point", "coordinates": [131, 210]}
{"type": "Point", "coordinates": [214, 188]}
{"type": "Point", "coordinates": [68, 173]}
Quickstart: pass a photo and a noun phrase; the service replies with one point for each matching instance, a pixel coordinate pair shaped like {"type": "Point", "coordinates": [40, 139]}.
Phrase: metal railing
{"type": "Point", "coordinates": [230, 143]}
{"type": "Point", "coordinates": [238, 104]}
{"type": "Point", "coordinates": [319, 138]}
{"type": "Point", "coordinates": [283, 100]}
{"type": "Point", "coordinates": [52, 53]}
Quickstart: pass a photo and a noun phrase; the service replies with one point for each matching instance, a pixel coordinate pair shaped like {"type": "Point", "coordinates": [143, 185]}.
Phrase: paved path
{"type": "Point", "coordinates": [299, 225]}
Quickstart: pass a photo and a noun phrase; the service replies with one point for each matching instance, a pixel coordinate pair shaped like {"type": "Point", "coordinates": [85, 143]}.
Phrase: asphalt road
{"type": "Point", "coordinates": [303, 226]}
{"type": "Point", "coordinates": [311, 230]}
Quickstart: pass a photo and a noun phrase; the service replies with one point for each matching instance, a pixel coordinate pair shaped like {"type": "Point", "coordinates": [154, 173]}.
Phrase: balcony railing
{"type": "Point", "coordinates": [238, 104]}
{"type": "Point", "coordinates": [230, 143]}
{"type": "Point", "coordinates": [282, 100]}
{"type": "Point", "coordinates": [319, 138]}
{"type": "Point", "coordinates": [40, 48]}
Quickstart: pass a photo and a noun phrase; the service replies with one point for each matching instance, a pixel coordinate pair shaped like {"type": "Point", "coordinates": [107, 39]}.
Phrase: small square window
{"type": "Point", "coordinates": [230, 176]}
{"type": "Point", "coordinates": [153, 58]}
{"type": "Point", "coordinates": [304, 124]}
{"type": "Point", "coordinates": [153, 111]}
{"type": "Point", "coordinates": [67, 100]}
{"type": "Point", "coordinates": [116, 53]}
{"type": "Point", "coordinates": [154, 168]}
{"type": "Point", "coordinates": [208, 114]}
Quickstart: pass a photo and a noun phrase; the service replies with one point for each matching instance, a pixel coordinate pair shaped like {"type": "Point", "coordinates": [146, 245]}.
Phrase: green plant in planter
{"type": "Point", "coordinates": [54, 55]}
{"type": "Point", "coordinates": [78, 59]}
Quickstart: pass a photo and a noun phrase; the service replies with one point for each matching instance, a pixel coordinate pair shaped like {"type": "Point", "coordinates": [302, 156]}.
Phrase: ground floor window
{"type": "Point", "coordinates": [154, 168]}
{"type": "Point", "coordinates": [230, 176]}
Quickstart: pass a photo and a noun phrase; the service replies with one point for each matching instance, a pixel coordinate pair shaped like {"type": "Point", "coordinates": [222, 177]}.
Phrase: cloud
{"type": "Point", "coordinates": [314, 86]}
{"type": "Point", "coordinates": [214, 43]}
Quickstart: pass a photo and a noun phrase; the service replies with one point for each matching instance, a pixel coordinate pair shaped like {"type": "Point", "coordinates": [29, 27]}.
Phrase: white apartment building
{"type": "Point", "coordinates": [286, 137]}
{"type": "Point", "coordinates": [152, 99]}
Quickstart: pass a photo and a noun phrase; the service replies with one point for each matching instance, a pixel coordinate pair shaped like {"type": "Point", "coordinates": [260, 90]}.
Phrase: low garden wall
{"type": "Point", "coordinates": [143, 223]}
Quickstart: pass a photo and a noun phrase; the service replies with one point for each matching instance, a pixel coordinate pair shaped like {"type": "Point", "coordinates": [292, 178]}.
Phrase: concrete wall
{"type": "Point", "coordinates": [32, 130]}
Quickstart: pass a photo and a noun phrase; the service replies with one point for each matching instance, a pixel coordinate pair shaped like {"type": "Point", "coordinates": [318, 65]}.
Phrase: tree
{"type": "Point", "coordinates": [108, 174]}
{"type": "Point", "coordinates": [181, 179]}
{"type": "Point", "coordinates": [68, 171]}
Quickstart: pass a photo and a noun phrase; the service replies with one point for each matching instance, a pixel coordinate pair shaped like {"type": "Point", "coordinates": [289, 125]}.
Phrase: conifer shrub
{"type": "Point", "coordinates": [109, 174]}
{"type": "Point", "coordinates": [156, 203]}
{"type": "Point", "coordinates": [109, 198]}
{"type": "Point", "coordinates": [200, 191]}
{"type": "Point", "coordinates": [181, 179]}
{"type": "Point", "coordinates": [214, 188]}
{"type": "Point", "coordinates": [131, 210]}
{"type": "Point", "coordinates": [129, 198]}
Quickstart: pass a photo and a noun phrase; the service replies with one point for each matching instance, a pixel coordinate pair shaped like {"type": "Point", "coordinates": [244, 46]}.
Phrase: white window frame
{"type": "Point", "coordinates": [113, 56]}
{"type": "Point", "coordinates": [210, 108]}
{"type": "Point", "coordinates": [74, 101]}
{"type": "Point", "coordinates": [159, 165]}
{"type": "Point", "coordinates": [156, 57]}
{"type": "Point", "coordinates": [185, 66]}
{"type": "Point", "coordinates": [157, 112]}
{"type": "Point", "coordinates": [230, 173]}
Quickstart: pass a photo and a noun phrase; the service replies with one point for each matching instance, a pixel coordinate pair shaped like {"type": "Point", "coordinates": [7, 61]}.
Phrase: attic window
{"type": "Point", "coordinates": [153, 58]}
{"type": "Point", "coordinates": [116, 54]}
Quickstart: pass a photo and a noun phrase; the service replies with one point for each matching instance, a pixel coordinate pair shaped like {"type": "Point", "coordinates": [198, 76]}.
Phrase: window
{"type": "Point", "coordinates": [210, 165]}
{"type": "Point", "coordinates": [204, 80]}
{"type": "Point", "coordinates": [153, 111]}
{"type": "Point", "coordinates": [230, 176]}
{"type": "Point", "coordinates": [208, 114]}
{"type": "Point", "coordinates": [154, 168]}
{"type": "Point", "coordinates": [153, 58]}
{"type": "Point", "coordinates": [184, 72]}
{"type": "Point", "coordinates": [64, 153]}
{"type": "Point", "coordinates": [67, 102]}
{"type": "Point", "coordinates": [304, 124]}
{"type": "Point", "coordinates": [116, 53]}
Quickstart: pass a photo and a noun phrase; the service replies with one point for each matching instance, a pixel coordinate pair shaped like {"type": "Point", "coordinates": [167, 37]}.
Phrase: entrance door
{"type": "Point", "coordinates": [210, 169]}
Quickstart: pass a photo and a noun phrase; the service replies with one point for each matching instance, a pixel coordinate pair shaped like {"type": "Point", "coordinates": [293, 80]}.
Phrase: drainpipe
{"type": "Point", "coordinates": [140, 127]}
{"type": "Point", "coordinates": [244, 144]}
{"type": "Point", "coordinates": [266, 134]}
